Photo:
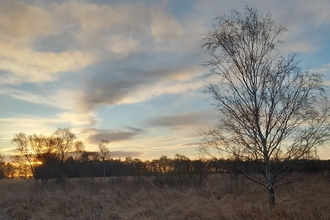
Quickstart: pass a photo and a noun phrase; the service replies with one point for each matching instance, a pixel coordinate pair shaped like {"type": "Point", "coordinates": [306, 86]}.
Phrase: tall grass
{"type": "Point", "coordinates": [221, 197]}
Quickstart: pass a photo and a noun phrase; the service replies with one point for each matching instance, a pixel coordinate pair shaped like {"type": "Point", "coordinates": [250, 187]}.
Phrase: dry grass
{"type": "Point", "coordinates": [127, 198]}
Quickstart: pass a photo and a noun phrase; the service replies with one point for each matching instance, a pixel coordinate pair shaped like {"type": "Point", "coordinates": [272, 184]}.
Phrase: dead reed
{"type": "Point", "coordinates": [222, 197]}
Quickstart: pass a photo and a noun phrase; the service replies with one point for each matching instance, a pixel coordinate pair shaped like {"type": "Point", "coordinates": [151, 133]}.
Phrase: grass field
{"type": "Point", "coordinates": [222, 197]}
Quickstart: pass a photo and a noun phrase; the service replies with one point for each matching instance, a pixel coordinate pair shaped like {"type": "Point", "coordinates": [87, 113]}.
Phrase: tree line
{"type": "Point", "coordinates": [62, 156]}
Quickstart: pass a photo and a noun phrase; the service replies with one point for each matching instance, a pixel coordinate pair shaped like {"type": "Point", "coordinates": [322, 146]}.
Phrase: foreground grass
{"type": "Point", "coordinates": [222, 197]}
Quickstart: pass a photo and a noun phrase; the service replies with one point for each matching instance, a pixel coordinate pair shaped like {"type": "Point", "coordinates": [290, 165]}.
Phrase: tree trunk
{"type": "Point", "coordinates": [271, 196]}
{"type": "Point", "coordinates": [270, 190]}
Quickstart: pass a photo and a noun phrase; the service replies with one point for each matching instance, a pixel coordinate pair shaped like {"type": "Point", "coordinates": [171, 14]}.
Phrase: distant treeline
{"type": "Point", "coordinates": [61, 155]}
{"type": "Point", "coordinates": [89, 165]}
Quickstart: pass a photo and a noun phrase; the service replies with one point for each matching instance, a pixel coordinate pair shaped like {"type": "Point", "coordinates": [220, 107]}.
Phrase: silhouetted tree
{"type": "Point", "coordinates": [269, 108]}
{"type": "Point", "coordinates": [49, 168]}
{"type": "Point", "coordinates": [104, 154]}
{"type": "Point", "coordinates": [88, 161]}
{"type": "Point", "coordinates": [164, 164]}
{"type": "Point", "coordinates": [9, 170]}
{"type": "Point", "coordinates": [78, 150]}
{"type": "Point", "coordinates": [23, 150]}
{"type": "Point", "coordinates": [200, 169]}
{"type": "Point", "coordinates": [65, 141]}
{"type": "Point", "coordinates": [1, 157]}
{"type": "Point", "coordinates": [2, 166]}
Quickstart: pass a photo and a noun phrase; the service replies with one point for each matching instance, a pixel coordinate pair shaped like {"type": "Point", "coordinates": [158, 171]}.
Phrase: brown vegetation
{"type": "Point", "coordinates": [222, 197]}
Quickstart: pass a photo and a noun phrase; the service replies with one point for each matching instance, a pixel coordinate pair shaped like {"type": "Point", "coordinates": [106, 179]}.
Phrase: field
{"type": "Point", "coordinates": [222, 197]}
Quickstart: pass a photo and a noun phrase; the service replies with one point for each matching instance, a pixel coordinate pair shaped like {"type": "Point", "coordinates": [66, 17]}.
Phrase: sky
{"type": "Point", "coordinates": [128, 71]}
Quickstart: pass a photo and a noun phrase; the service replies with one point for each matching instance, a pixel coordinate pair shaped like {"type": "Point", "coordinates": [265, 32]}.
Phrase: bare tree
{"type": "Point", "coordinates": [64, 141]}
{"type": "Point", "coordinates": [79, 149]}
{"type": "Point", "coordinates": [104, 153]}
{"type": "Point", "coordinates": [32, 149]}
{"type": "Point", "coordinates": [270, 109]}
{"type": "Point", "coordinates": [54, 150]}
{"type": "Point", "coordinates": [41, 147]}
{"type": "Point", "coordinates": [23, 150]}
{"type": "Point", "coordinates": [164, 163]}
{"type": "Point", "coordinates": [20, 168]}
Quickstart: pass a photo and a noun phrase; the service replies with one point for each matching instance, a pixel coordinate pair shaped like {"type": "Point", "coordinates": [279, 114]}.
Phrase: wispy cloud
{"type": "Point", "coordinates": [31, 66]}
{"type": "Point", "coordinates": [325, 71]}
{"type": "Point", "coordinates": [124, 134]}
{"type": "Point", "coordinates": [27, 20]}
{"type": "Point", "coordinates": [164, 27]}
{"type": "Point", "coordinates": [58, 98]}
{"type": "Point", "coordinates": [35, 124]}
{"type": "Point", "coordinates": [134, 86]}
{"type": "Point", "coordinates": [196, 119]}
{"type": "Point", "coordinates": [123, 154]}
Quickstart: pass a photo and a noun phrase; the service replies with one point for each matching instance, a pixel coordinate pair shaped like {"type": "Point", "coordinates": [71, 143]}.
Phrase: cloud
{"type": "Point", "coordinates": [123, 154]}
{"type": "Point", "coordinates": [84, 34]}
{"type": "Point", "coordinates": [56, 43]}
{"type": "Point", "coordinates": [114, 135]}
{"type": "Point", "coordinates": [136, 20]}
{"type": "Point", "coordinates": [325, 70]}
{"type": "Point", "coordinates": [29, 66]}
{"type": "Point", "coordinates": [164, 27]}
{"type": "Point", "coordinates": [129, 85]}
{"type": "Point", "coordinates": [122, 45]}
{"type": "Point", "coordinates": [73, 35]}
{"type": "Point", "coordinates": [143, 94]}
{"type": "Point", "coordinates": [56, 97]}
{"type": "Point", "coordinates": [297, 47]}
{"type": "Point", "coordinates": [172, 146]}
{"type": "Point", "coordinates": [304, 19]}
{"type": "Point", "coordinates": [45, 125]}
{"type": "Point", "coordinates": [78, 120]}
{"type": "Point", "coordinates": [19, 20]}
{"type": "Point", "coordinates": [20, 25]}
{"type": "Point", "coordinates": [197, 118]}
{"type": "Point", "coordinates": [70, 36]}
{"type": "Point", "coordinates": [315, 13]}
